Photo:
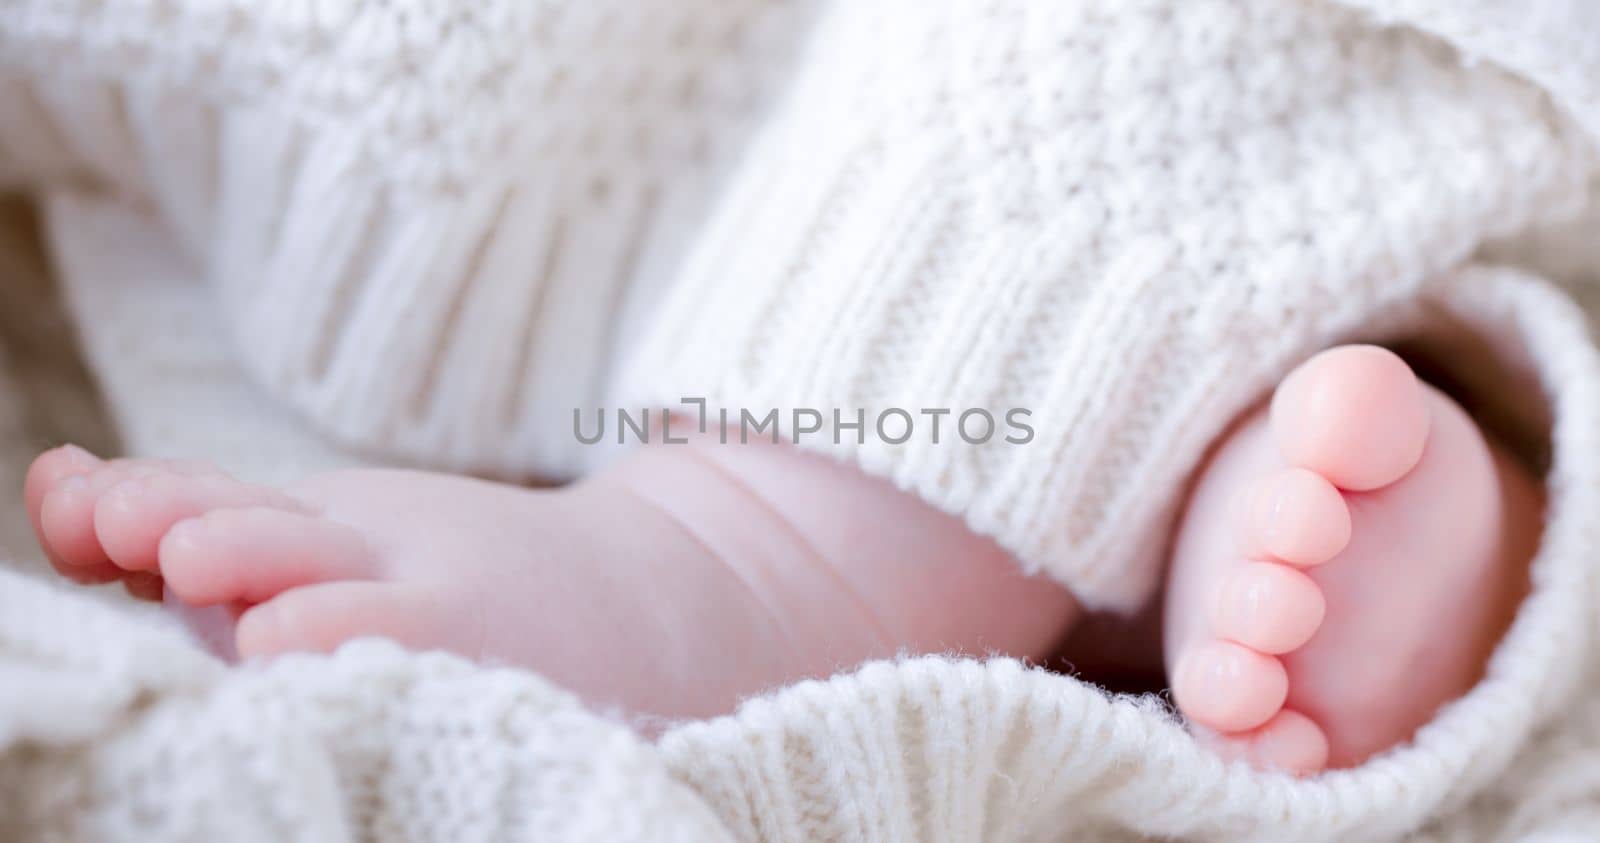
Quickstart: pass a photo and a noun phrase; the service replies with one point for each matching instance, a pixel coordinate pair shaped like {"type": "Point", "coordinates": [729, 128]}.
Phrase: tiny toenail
{"type": "Point", "coordinates": [75, 483]}
{"type": "Point", "coordinates": [1215, 669]}
{"type": "Point", "coordinates": [184, 534]}
{"type": "Point", "coordinates": [1243, 596]}
{"type": "Point", "coordinates": [1279, 497]}
{"type": "Point", "coordinates": [1203, 671]}
{"type": "Point", "coordinates": [123, 494]}
{"type": "Point", "coordinates": [1288, 521]}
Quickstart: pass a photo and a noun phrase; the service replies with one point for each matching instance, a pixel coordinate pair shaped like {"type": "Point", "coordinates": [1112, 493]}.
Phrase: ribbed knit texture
{"type": "Point", "coordinates": [126, 732]}
{"type": "Point", "coordinates": [371, 745]}
{"type": "Point", "coordinates": [426, 221]}
{"type": "Point", "coordinates": [435, 228]}
{"type": "Point", "coordinates": [1129, 219]}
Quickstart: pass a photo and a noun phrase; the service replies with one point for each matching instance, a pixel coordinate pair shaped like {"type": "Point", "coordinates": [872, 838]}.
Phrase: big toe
{"type": "Point", "coordinates": [47, 472]}
{"type": "Point", "coordinates": [66, 519]}
{"type": "Point", "coordinates": [1355, 414]}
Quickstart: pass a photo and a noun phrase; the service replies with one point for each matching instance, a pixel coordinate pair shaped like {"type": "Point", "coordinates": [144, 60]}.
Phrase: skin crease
{"type": "Point", "coordinates": [687, 577]}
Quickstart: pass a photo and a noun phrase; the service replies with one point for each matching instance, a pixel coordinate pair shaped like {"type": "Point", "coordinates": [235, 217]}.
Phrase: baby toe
{"type": "Point", "coordinates": [1229, 687]}
{"type": "Point", "coordinates": [319, 618]}
{"type": "Point", "coordinates": [1290, 742]}
{"type": "Point", "coordinates": [252, 555]}
{"type": "Point", "coordinates": [1268, 607]}
{"type": "Point", "coordinates": [66, 522]}
{"type": "Point", "coordinates": [1354, 414]}
{"type": "Point", "coordinates": [47, 472]}
{"type": "Point", "coordinates": [132, 517]}
{"type": "Point", "coordinates": [1296, 516]}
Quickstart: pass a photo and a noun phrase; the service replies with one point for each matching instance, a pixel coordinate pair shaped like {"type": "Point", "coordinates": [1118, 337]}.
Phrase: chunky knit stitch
{"type": "Point", "coordinates": [1133, 249]}
{"type": "Point", "coordinates": [422, 219]}
{"type": "Point", "coordinates": [1126, 218]}
{"type": "Point", "coordinates": [436, 228]}
{"type": "Point", "coordinates": [127, 732]}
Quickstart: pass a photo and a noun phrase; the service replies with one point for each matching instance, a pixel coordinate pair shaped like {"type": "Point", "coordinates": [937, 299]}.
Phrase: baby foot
{"type": "Point", "coordinates": [677, 582]}
{"type": "Point", "coordinates": [433, 562]}
{"type": "Point", "coordinates": [1344, 567]}
{"type": "Point", "coordinates": [216, 541]}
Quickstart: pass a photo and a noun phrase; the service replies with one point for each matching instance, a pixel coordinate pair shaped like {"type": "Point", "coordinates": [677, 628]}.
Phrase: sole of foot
{"type": "Point", "coordinates": [1346, 563]}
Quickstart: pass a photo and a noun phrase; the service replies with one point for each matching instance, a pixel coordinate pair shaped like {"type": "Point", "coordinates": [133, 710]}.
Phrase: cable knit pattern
{"type": "Point", "coordinates": [1127, 216]}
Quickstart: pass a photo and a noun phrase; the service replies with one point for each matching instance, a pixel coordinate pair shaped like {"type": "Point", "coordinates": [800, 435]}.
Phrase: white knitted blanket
{"type": "Point", "coordinates": [113, 726]}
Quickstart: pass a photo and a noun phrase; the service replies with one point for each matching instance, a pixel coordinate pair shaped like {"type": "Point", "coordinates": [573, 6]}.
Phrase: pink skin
{"type": "Point", "coordinates": [674, 584]}
{"type": "Point", "coordinates": [1345, 567]}
{"type": "Point", "coordinates": [1303, 623]}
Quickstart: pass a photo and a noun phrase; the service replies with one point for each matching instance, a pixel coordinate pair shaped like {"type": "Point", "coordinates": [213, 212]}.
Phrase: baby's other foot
{"type": "Point", "coordinates": [1346, 564]}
